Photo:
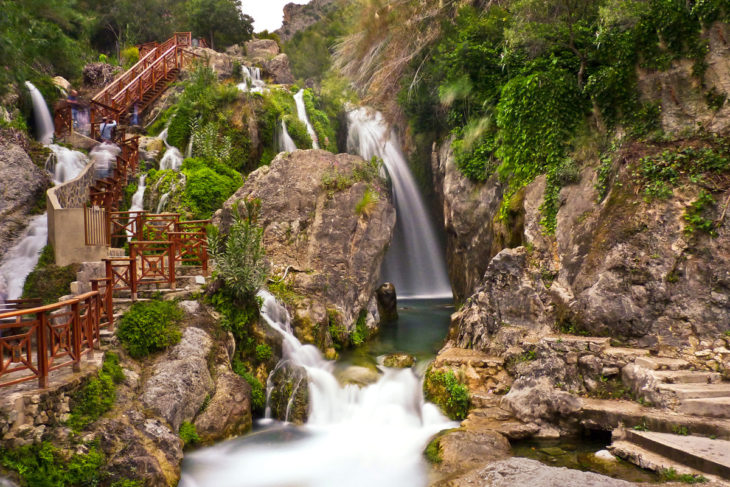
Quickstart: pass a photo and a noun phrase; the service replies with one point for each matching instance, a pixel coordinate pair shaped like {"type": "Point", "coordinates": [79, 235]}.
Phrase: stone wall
{"type": "Point", "coordinates": [75, 193]}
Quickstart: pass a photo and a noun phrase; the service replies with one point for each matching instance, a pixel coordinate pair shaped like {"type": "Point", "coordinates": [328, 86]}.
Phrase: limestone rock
{"type": "Point", "coordinates": [387, 302]}
{"type": "Point", "coordinates": [22, 185]}
{"type": "Point", "coordinates": [536, 400]}
{"type": "Point", "coordinates": [180, 379]}
{"type": "Point", "coordinates": [332, 253]}
{"type": "Point", "coordinates": [98, 75]}
{"type": "Point", "coordinates": [525, 471]}
{"type": "Point", "coordinates": [468, 211]}
{"type": "Point", "coordinates": [280, 69]}
{"type": "Point", "coordinates": [463, 450]}
{"type": "Point", "coordinates": [262, 48]}
{"type": "Point", "coordinates": [229, 411]}
{"type": "Point", "coordinates": [299, 17]}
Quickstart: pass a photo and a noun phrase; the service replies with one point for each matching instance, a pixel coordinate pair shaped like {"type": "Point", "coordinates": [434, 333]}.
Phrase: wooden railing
{"type": "Point", "coordinates": [36, 341]}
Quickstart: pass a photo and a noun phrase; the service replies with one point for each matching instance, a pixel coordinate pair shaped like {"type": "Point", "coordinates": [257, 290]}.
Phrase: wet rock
{"type": "Point", "coordinates": [228, 413]}
{"type": "Point", "coordinates": [180, 379]}
{"type": "Point", "coordinates": [331, 255]}
{"type": "Point", "coordinates": [524, 471]}
{"type": "Point", "coordinates": [358, 375]}
{"type": "Point", "coordinates": [387, 302]}
{"type": "Point", "coordinates": [462, 451]}
{"type": "Point", "coordinates": [22, 187]}
{"type": "Point", "coordinates": [399, 360]}
{"type": "Point", "coordinates": [289, 400]}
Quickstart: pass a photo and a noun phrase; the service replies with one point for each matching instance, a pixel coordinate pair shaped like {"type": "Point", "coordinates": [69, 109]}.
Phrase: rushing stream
{"type": "Point", "coordinates": [302, 114]}
{"type": "Point", "coordinates": [369, 436]}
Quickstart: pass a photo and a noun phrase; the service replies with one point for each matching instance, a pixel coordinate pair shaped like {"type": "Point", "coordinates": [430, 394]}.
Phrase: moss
{"type": "Point", "coordinates": [98, 395]}
{"type": "Point", "coordinates": [446, 391]}
{"type": "Point", "coordinates": [433, 451]}
{"type": "Point", "coordinates": [48, 282]}
{"type": "Point", "coordinates": [46, 465]}
{"type": "Point", "coordinates": [188, 434]}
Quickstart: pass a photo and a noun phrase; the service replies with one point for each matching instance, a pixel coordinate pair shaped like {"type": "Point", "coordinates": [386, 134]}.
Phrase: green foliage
{"type": "Point", "coordinates": [98, 395]}
{"type": "Point", "coordinates": [361, 333]}
{"type": "Point", "coordinates": [367, 203]}
{"type": "Point", "coordinates": [671, 475]}
{"type": "Point", "coordinates": [680, 430]}
{"type": "Point", "coordinates": [433, 451]}
{"type": "Point", "coordinates": [447, 392]}
{"type": "Point", "coordinates": [335, 180]}
{"type": "Point", "coordinates": [321, 122]}
{"type": "Point", "coordinates": [220, 21]}
{"type": "Point", "coordinates": [298, 132]}
{"type": "Point", "coordinates": [47, 281]}
{"type": "Point", "coordinates": [149, 327]}
{"type": "Point", "coordinates": [44, 465]}
{"type": "Point", "coordinates": [209, 184]}
{"type": "Point", "coordinates": [263, 352]}
{"type": "Point", "coordinates": [558, 176]}
{"type": "Point", "coordinates": [188, 434]}
{"type": "Point", "coordinates": [258, 393]}
{"type": "Point", "coordinates": [240, 258]}
{"type": "Point", "coordinates": [695, 217]}
{"type": "Point", "coordinates": [129, 57]}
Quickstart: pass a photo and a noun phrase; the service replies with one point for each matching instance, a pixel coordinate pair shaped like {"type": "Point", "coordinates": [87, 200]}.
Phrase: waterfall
{"type": "Point", "coordinates": [252, 82]}
{"type": "Point", "coordinates": [65, 164]}
{"type": "Point", "coordinates": [358, 437]}
{"type": "Point", "coordinates": [415, 262]}
{"type": "Point", "coordinates": [302, 114]}
{"type": "Point", "coordinates": [23, 257]}
{"type": "Point", "coordinates": [286, 144]}
{"type": "Point", "coordinates": [172, 158]}
{"type": "Point", "coordinates": [41, 114]}
{"type": "Point", "coordinates": [138, 196]}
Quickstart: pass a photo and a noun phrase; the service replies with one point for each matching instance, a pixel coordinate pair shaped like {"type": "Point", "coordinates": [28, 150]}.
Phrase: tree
{"type": "Point", "coordinates": [221, 18]}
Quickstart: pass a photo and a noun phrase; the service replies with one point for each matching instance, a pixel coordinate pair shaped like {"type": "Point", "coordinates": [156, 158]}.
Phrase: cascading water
{"type": "Point", "coordinates": [252, 81]}
{"type": "Point", "coordinates": [64, 166]}
{"type": "Point", "coordinates": [172, 158]}
{"type": "Point", "coordinates": [358, 437]}
{"type": "Point", "coordinates": [414, 263]}
{"type": "Point", "coordinates": [138, 196]}
{"type": "Point", "coordinates": [286, 143]}
{"type": "Point", "coordinates": [302, 114]}
{"type": "Point", "coordinates": [41, 115]}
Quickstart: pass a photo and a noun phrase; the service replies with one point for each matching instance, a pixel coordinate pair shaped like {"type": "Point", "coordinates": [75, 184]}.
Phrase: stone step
{"type": "Point", "coordinates": [627, 354]}
{"type": "Point", "coordinates": [647, 459]}
{"type": "Point", "coordinates": [662, 363]}
{"type": "Point", "coordinates": [687, 377]}
{"type": "Point", "coordinates": [697, 452]}
{"type": "Point", "coordinates": [577, 343]}
{"type": "Point", "coordinates": [607, 415]}
{"type": "Point", "coordinates": [696, 391]}
{"type": "Point", "coordinates": [713, 407]}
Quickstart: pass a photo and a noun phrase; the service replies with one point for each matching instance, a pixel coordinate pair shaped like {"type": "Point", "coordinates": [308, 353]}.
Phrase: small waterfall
{"type": "Point", "coordinates": [23, 257]}
{"type": "Point", "coordinates": [41, 114]}
{"type": "Point", "coordinates": [252, 82]}
{"type": "Point", "coordinates": [286, 144]}
{"type": "Point", "coordinates": [172, 158]}
{"type": "Point", "coordinates": [302, 114]}
{"type": "Point", "coordinates": [415, 262]}
{"type": "Point", "coordinates": [138, 196]}
{"type": "Point", "coordinates": [358, 437]}
{"type": "Point", "coordinates": [66, 164]}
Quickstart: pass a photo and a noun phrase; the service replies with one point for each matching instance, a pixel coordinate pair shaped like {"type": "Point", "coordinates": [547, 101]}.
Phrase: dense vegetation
{"type": "Point", "coordinates": [48, 281]}
{"type": "Point", "coordinates": [149, 327]}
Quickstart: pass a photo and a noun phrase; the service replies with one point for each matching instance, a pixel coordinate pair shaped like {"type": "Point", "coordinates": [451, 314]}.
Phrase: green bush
{"type": "Point", "coordinates": [129, 57]}
{"type": "Point", "coordinates": [44, 465]}
{"type": "Point", "coordinates": [445, 390]}
{"type": "Point", "coordinates": [298, 132]}
{"type": "Point", "coordinates": [263, 352]}
{"type": "Point", "coordinates": [98, 395]}
{"type": "Point", "coordinates": [47, 281]}
{"type": "Point", "coordinates": [149, 327]}
{"type": "Point", "coordinates": [188, 434]}
{"type": "Point", "coordinates": [207, 189]}
{"type": "Point", "coordinates": [321, 123]}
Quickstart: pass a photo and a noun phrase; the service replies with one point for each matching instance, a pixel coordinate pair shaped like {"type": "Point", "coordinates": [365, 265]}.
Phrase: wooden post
{"type": "Point", "coordinates": [42, 353]}
{"type": "Point", "coordinates": [133, 270]}
{"type": "Point", "coordinates": [171, 259]}
{"type": "Point", "coordinates": [76, 332]}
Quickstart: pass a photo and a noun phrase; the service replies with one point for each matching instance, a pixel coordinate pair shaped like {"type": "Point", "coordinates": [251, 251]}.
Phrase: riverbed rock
{"type": "Point", "coordinates": [22, 186]}
{"type": "Point", "coordinates": [180, 379]}
{"type": "Point", "coordinates": [289, 398]}
{"type": "Point", "coordinates": [358, 375]}
{"type": "Point", "coordinates": [399, 360]}
{"type": "Point", "coordinates": [462, 451]}
{"type": "Point", "coordinates": [387, 302]}
{"type": "Point", "coordinates": [228, 413]}
{"type": "Point", "coordinates": [535, 400]}
{"type": "Point", "coordinates": [331, 254]}
{"type": "Point", "coordinates": [524, 471]}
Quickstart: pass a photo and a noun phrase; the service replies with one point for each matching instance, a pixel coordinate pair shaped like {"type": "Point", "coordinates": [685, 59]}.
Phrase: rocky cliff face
{"type": "Point", "coordinates": [327, 221]}
{"type": "Point", "coordinates": [22, 187]}
{"type": "Point", "coordinates": [299, 17]}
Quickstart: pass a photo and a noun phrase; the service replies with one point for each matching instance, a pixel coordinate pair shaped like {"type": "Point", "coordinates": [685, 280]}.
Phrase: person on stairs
{"type": "Point", "coordinates": [107, 128]}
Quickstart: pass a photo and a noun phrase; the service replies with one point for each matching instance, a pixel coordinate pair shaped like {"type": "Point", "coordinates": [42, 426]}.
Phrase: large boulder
{"type": "Point", "coordinates": [279, 68]}
{"type": "Point", "coordinates": [181, 380]}
{"type": "Point", "coordinates": [320, 234]}
{"type": "Point", "coordinates": [262, 48]}
{"type": "Point", "coordinates": [289, 398]}
{"type": "Point", "coordinates": [298, 17]}
{"type": "Point", "coordinates": [22, 188]}
{"type": "Point", "coordinates": [229, 410]}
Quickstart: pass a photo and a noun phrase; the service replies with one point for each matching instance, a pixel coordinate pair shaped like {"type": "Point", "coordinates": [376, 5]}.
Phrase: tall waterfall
{"type": "Point", "coordinates": [286, 144]}
{"type": "Point", "coordinates": [355, 437]}
{"type": "Point", "coordinates": [302, 114]}
{"type": "Point", "coordinates": [41, 114]}
{"type": "Point", "coordinates": [415, 262]}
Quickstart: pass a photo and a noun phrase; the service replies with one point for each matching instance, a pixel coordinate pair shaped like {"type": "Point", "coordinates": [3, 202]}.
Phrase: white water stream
{"type": "Point", "coordinates": [172, 158]}
{"type": "Point", "coordinates": [355, 437]}
{"type": "Point", "coordinates": [252, 82]}
{"type": "Point", "coordinates": [302, 114]}
{"type": "Point", "coordinates": [66, 164]}
{"type": "Point", "coordinates": [414, 263]}
{"type": "Point", "coordinates": [286, 143]}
